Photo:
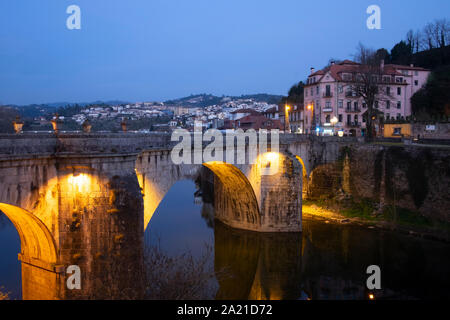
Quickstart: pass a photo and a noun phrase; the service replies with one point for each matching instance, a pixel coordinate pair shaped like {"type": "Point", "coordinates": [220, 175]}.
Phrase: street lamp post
{"type": "Point", "coordinates": [334, 120]}
{"type": "Point", "coordinates": [313, 117]}
{"type": "Point", "coordinates": [287, 127]}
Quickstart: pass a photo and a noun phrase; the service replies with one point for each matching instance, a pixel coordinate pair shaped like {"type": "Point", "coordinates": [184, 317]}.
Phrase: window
{"type": "Point", "coordinates": [399, 105]}
{"type": "Point", "coordinates": [356, 118]}
{"type": "Point", "coordinates": [356, 105]}
{"type": "Point", "coordinates": [328, 104]}
{"type": "Point", "coordinates": [349, 119]}
{"type": "Point", "coordinates": [397, 132]}
{"type": "Point", "coordinates": [388, 116]}
{"type": "Point", "coordinates": [349, 105]}
{"type": "Point", "coordinates": [399, 91]}
{"type": "Point", "coordinates": [416, 73]}
{"type": "Point", "coordinates": [341, 104]}
{"type": "Point", "coordinates": [388, 104]}
{"type": "Point", "coordinates": [312, 91]}
{"type": "Point", "coordinates": [399, 80]}
{"type": "Point", "coordinates": [340, 118]}
{"type": "Point", "coordinates": [364, 105]}
{"type": "Point", "coordinates": [377, 104]}
{"type": "Point", "coordinates": [416, 82]}
{"type": "Point", "coordinates": [398, 116]}
{"type": "Point", "coordinates": [317, 90]}
{"type": "Point", "coordinates": [340, 89]}
{"type": "Point", "coordinates": [306, 93]}
{"type": "Point", "coordinates": [328, 119]}
{"type": "Point", "coordinates": [388, 91]}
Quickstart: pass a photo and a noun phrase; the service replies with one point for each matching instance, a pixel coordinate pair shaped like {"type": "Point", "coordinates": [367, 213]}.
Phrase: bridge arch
{"type": "Point", "coordinates": [236, 201]}
{"type": "Point", "coordinates": [236, 204]}
{"type": "Point", "coordinates": [37, 243]}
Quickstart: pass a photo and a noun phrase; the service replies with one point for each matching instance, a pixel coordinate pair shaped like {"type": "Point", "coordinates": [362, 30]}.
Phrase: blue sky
{"type": "Point", "coordinates": [145, 50]}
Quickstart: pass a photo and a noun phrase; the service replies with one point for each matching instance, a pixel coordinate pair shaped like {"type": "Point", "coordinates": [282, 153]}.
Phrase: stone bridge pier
{"type": "Point", "coordinates": [74, 210]}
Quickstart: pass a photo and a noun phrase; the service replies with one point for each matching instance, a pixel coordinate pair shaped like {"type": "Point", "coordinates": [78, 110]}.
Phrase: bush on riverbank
{"type": "Point", "coordinates": [182, 277]}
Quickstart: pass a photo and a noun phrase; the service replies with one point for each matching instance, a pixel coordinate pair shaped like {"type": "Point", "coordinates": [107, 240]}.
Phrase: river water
{"type": "Point", "coordinates": [325, 261]}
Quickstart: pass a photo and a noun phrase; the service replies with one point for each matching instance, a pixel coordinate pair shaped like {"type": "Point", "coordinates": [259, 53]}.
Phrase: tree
{"type": "Point", "coordinates": [413, 39]}
{"type": "Point", "coordinates": [401, 53]}
{"type": "Point", "coordinates": [383, 54]}
{"type": "Point", "coordinates": [436, 34]}
{"type": "Point", "coordinates": [296, 92]}
{"type": "Point", "coordinates": [367, 83]}
{"type": "Point", "coordinates": [434, 99]}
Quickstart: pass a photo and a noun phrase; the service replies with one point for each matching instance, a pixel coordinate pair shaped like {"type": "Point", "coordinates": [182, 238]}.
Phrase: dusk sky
{"type": "Point", "coordinates": [147, 50]}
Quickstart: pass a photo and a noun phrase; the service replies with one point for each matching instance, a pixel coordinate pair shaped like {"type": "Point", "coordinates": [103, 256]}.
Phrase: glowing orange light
{"type": "Point", "coordinates": [371, 297]}
{"type": "Point", "coordinates": [79, 181]}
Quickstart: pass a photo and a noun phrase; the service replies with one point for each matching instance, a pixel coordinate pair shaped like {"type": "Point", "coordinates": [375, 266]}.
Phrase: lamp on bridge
{"type": "Point", "coordinates": [18, 125]}
{"type": "Point", "coordinates": [87, 126]}
{"type": "Point", "coordinates": [123, 124]}
{"type": "Point", "coordinates": [55, 123]}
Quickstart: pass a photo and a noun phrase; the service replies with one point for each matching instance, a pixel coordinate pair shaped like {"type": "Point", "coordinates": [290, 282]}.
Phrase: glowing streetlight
{"type": "Point", "coordinates": [310, 107]}
{"type": "Point", "coordinates": [286, 122]}
{"type": "Point", "coordinates": [333, 121]}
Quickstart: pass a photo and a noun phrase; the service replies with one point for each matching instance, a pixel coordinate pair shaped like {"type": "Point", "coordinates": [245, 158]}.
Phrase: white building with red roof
{"type": "Point", "coordinates": [328, 94]}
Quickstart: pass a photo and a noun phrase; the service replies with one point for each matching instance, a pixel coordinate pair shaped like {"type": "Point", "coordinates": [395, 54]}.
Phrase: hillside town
{"type": "Point", "coordinates": [331, 106]}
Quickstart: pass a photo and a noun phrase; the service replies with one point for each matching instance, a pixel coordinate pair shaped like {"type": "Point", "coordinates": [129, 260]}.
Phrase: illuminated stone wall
{"type": "Point", "coordinates": [84, 211]}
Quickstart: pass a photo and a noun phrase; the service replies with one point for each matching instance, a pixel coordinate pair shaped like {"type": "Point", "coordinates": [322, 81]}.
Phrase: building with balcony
{"type": "Point", "coordinates": [331, 104]}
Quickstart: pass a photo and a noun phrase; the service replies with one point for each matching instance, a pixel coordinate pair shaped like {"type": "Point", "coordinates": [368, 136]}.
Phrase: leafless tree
{"type": "Point", "coordinates": [442, 29]}
{"type": "Point", "coordinates": [436, 34]}
{"type": "Point", "coordinates": [368, 83]}
{"type": "Point", "coordinates": [428, 37]}
{"type": "Point", "coordinates": [413, 39]}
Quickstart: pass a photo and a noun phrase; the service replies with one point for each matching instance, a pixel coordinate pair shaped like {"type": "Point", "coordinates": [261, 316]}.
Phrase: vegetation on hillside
{"type": "Point", "coordinates": [433, 101]}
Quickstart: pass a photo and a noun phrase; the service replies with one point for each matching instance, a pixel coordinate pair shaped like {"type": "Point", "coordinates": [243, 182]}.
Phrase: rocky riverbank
{"type": "Point", "coordinates": [345, 215]}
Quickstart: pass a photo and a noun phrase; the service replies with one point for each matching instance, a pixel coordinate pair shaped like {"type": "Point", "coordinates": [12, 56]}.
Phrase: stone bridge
{"type": "Point", "coordinates": [86, 199]}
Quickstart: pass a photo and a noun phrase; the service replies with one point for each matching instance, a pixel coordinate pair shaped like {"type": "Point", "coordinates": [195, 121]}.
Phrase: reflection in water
{"type": "Point", "coordinates": [326, 261]}
{"type": "Point", "coordinates": [335, 258]}
{"type": "Point", "coordinates": [257, 266]}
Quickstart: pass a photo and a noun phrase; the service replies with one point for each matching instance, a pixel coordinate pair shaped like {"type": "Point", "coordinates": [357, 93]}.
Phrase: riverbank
{"type": "Point", "coordinates": [362, 214]}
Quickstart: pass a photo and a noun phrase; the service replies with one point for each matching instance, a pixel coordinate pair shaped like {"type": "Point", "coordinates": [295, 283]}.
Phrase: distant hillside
{"type": "Point", "coordinates": [205, 100]}
{"type": "Point", "coordinates": [47, 109]}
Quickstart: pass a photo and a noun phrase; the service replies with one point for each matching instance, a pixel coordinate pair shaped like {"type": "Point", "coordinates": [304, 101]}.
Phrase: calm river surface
{"type": "Point", "coordinates": [326, 261]}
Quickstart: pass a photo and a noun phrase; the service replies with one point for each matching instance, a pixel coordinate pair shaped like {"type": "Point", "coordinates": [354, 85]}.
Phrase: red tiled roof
{"type": "Point", "coordinates": [351, 67]}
